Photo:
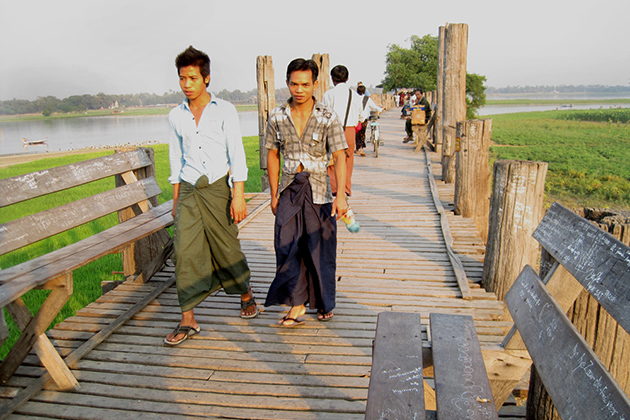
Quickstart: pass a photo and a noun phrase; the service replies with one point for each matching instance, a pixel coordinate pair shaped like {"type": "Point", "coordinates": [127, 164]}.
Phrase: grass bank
{"type": "Point", "coordinates": [87, 279]}
{"type": "Point", "coordinates": [587, 151]}
{"type": "Point", "coordinates": [560, 101]}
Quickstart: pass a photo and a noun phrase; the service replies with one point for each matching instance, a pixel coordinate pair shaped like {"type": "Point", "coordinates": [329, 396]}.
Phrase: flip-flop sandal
{"type": "Point", "coordinates": [246, 304]}
{"type": "Point", "coordinates": [296, 321]}
{"type": "Point", "coordinates": [186, 330]}
{"type": "Point", "coordinates": [325, 317]}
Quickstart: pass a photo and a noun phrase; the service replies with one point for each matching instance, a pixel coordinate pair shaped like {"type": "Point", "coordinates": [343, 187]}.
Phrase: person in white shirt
{"type": "Point", "coordinates": [208, 174]}
{"type": "Point", "coordinates": [367, 106]}
{"type": "Point", "coordinates": [347, 105]}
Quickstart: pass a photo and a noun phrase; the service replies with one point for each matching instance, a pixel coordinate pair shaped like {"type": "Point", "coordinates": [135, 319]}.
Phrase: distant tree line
{"type": "Point", "coordinates": [559, 89]}
{"type": "Point", "coordinates": [80, 103]}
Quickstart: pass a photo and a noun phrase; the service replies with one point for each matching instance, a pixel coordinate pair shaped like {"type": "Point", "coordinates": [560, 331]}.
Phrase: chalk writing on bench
{"type": "Point", "coordinates": [388, 413]}
{"type": "Point", "coordinates": [469, 399]}
{"type": "Point", "coordinates": [595, 258]}
{"type": "Point", "coordinates": [584, 363]}
{"type": "Point", "coordinates": [411, 377]}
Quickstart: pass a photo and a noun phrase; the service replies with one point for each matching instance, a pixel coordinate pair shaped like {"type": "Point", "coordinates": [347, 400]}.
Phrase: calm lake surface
{"type": "Point", "coordinates": [79, 133]}
{"type": "Point", "coordinates": [92, 132]}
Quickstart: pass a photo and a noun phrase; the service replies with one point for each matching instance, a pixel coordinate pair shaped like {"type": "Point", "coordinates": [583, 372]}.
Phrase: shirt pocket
{"type": "Point", "coordinates": [317, 145]}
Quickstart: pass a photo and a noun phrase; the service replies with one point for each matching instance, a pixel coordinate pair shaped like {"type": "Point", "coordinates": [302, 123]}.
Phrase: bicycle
{"type": "Point", "coordinates": [375, 133]}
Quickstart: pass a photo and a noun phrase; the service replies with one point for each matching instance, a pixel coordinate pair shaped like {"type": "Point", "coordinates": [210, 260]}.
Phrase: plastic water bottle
{"type": "Point", "coordinates": [351, 224]}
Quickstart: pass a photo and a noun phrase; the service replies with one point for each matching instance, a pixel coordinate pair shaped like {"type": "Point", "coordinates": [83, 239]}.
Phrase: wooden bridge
{"type": "Point", "coordinates": [411, 255]}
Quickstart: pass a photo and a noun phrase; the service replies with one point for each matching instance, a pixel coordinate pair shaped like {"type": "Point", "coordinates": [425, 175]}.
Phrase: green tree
{"type": "Point", "coordinates": [417, 67]}
{"type": "Point", "coordinates": [475, 94]}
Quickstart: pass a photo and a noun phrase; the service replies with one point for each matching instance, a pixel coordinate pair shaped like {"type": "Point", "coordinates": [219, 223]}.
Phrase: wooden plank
{"type": "Point", "coordinates": [76, 355]}
{"type": "Point", "coordinates": [458, 268]}
{"type": "Point", "coordinates": [44, 349]}
{"type": "Point", "coordinates": [36, 327]}
{"type": "Point", "coordinates": [578, 383]}
{"type": "Point", "coordinates": [461, 382]}
{"type": "Point", "coordinates": [29, 229]}
{"type": "Point", "coordinates": [36, 184]}
{"type": "Point", "coordinates": [396, 382]}
{"type": "Point", "coordinates": [599, 261]}
{"type": "Point", "coordinates": [18, 279]}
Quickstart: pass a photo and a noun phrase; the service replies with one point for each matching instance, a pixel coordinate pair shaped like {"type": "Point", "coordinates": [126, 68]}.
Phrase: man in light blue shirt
{"type": "Point", "coordinates": [208, 173]}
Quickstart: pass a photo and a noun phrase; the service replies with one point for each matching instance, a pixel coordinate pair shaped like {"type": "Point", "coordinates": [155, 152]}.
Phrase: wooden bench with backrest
{"type": "Point", "coordinates": [578, 384]}
{"type": "Point", "coordinates": [140, 219]}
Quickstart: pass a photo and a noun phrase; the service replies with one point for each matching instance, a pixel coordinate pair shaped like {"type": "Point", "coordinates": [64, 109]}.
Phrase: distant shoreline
{"type": "Point", "coordinates": [121, 112]}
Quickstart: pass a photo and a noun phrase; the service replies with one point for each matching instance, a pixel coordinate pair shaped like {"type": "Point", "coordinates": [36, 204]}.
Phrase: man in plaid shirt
{"type": "Point", "coordinates": [307, 134]}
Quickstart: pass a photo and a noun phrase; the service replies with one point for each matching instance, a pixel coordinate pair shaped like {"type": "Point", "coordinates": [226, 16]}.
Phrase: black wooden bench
{"type": "Point", "coordinates": [135, 200]}
{"type": "Point", "coordinates": [397, 385]}
{"type": "Point", "coordinates": [579, 385]}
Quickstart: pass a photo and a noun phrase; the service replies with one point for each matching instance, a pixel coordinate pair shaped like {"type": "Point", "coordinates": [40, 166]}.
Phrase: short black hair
{"type": "Point", "coordinates": [339, 74]}
{"type": "Point", "coordinates": [361, 90]}
{"type": "Point", "coordinates": [419, 90]}
{"type": "Point", "coordinates": [193, 57]}
{"type": "Point", "coordinates": [300, 64]}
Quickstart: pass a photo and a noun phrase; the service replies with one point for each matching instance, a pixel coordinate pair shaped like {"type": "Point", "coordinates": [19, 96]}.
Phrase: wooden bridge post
{"type": "Point", "coordinates": [454, 97]}
{"type": "Point", "coordinates": [439, 121]}
{"type": "Point", "coordinates": [472, 180]}
{"type": "Point", "coordinates": [266, 102]}
{"type": "Point", "coordinates": [516, 208]}
{"type": "Point", "coordinates": [323, 84]}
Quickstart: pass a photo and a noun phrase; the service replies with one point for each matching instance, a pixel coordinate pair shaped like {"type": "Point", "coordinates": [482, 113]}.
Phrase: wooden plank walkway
{"type": "Point", "coordinates": [255, 369]}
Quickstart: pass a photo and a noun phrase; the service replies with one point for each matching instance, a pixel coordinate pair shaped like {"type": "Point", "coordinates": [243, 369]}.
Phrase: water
{"type": "Point", "coordinates": [93, 132]}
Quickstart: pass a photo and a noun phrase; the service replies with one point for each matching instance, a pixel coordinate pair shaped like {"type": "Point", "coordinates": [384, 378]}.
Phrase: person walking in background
{"type": "Point", "coordinates": [207, 157]}
{"type": "Point", "coordinates": [367, 106]}
{"type": "Point", "coordinates": [346, 104]}
{"type": "Point", "coordinates": [307, 134]}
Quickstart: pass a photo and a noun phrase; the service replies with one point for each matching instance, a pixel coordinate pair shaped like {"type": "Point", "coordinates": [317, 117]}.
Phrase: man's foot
{"type": "Point", "coordinates": [362, 154]}
{"type": "Point", "coordinates": [291, 322]}
{"type": "Point", "coordinates": [406, 140]}
{"type": "Point", "coordinates": [248, 305]}
{"type": "Point", "coordinates": [292, 318]}
{"type": "Point", "coordinates": [181, 334]}
{"type": "Point", "coordinates": [321, 316]}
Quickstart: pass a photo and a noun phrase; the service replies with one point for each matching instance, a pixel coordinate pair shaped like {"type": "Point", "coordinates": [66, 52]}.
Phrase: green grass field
{"type": "Point", "coordinates": [587, 151]}
{"type": "Point", "coordinates": [87, 279]}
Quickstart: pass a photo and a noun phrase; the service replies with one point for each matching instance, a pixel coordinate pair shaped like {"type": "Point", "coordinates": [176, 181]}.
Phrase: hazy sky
{"type": "Point", "coordinates": [73, 47]}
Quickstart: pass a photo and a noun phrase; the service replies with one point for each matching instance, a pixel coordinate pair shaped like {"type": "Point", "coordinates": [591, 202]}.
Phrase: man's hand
{"type": "Point", "coordinates": [238, 209]}
{"type": "Point", "coordinates": [175, 198]}
{"type": "Point", "coordinates": [274, 204]}
{"type": "Point", "coordinates": [339, 206]}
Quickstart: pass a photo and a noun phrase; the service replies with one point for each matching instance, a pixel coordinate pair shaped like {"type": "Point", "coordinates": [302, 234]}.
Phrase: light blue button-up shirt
{"type": "Point", "coordinates": [211, 148]}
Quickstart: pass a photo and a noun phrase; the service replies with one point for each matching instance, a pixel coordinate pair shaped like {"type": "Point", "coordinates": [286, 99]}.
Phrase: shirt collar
{"type": "Point", "coordinates": [287, 105]}
{"type": "Point", "coordinates": [213, 100]}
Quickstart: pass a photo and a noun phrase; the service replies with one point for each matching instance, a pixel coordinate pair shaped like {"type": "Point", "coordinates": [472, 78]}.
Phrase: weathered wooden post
{"type": "Point", "coordinates": [472, 180]}
{"type": "Point", "coordinates": [266, 102]}
{"type": "Point", "coordinates": [439, 121]}
{"type": "Point", "coordinates": [516, 208]}
{"type": "Point", "coordinates": [454, 98]}
{"type": "Point", "coordinates": [323, 84]}
{"type": "Point", "coordinates": [610, 342]}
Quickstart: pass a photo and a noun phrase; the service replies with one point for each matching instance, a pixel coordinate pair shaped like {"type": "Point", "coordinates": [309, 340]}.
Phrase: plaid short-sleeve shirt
{"type": "Point", "coordinates": [322, 136]}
